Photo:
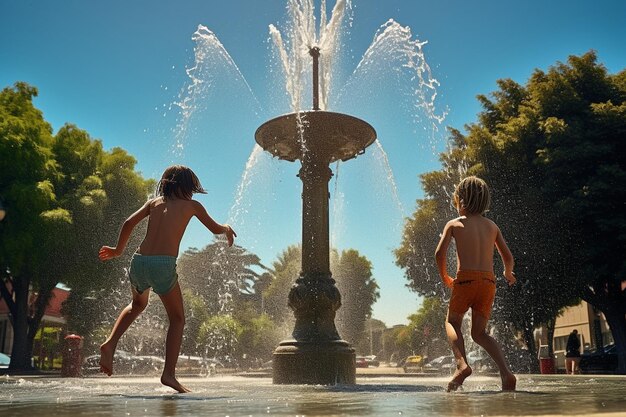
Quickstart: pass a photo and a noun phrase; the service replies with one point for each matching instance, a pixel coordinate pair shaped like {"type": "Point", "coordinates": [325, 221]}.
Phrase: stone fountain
{"type": "Point", "coordinates": [316, 354]}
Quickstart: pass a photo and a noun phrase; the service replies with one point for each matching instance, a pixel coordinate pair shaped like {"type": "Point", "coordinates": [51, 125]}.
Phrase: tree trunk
{"type": "Point", "coordinates": [617, 323]}
{"type": "Point", "coordinates": [550, 326]}
{"type": "Point", "coordinates": [21, 353]}
{"type": "Point", "coordinates": [44, 295]}
{"type": "Point", "coordinates": [43, 298]}
{"type": "Point", "coordinates": [529, 339]}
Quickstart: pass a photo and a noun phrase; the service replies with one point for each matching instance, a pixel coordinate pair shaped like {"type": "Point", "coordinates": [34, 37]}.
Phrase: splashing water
{"type": "Point", "coordinates": [393, 57]}
{"type": "Point", "coordinates": [210, 58]}
{"type": "Point", "coordinates": [390, 179]}
{"type": "Point", "coordinates": [234, 214]}
{"type": "Point", "coordinates": [337, 210]}
{"type": "Point", "coordinates": [394, 52]}
{"type": "Point", "coordinates": [293, 50]}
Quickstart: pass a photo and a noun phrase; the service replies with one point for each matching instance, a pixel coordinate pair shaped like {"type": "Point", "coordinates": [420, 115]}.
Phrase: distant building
{"type": "Point", "coordinates": [52, 316]}
{"type": "Point", "coordinates": [592, 327]}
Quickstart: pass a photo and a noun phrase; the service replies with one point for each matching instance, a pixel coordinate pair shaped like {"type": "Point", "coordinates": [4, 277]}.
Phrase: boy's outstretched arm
{"type": "Point", "coordinates": [215, 228]}
{"type": "Point", "coordinates": [108, 252]}
{"type": "Point", "coordinates": [441, 254]}
{"type": "Point", "coordinates": [507, 258]}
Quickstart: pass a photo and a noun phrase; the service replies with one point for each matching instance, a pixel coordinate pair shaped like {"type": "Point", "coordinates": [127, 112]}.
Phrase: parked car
{"type": "Point", "coordinates": [361, 362]}
{"type": "Point", "coordinates": [226, 361]}
{"type": "Point", "coordinates": [372, 361]}
{"type": "Point", "coordinates": [5, 360]}
{"type": "Point", "coordinates": [125, 363]}
{"type": "Point", "coordinates": [413, 363]}
{"type": "Point", "coordinates": [480, 361]}
{"type": "Point", "coordinates": [442, 364]}
{"type": "Point", "coordinates": [197, 364]}
{"type": "Point", "coordinates": [599, 362]}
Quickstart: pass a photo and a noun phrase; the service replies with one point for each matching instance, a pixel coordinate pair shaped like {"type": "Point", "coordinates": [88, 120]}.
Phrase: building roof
{"type": "Point", "coordinates": [59, 295]}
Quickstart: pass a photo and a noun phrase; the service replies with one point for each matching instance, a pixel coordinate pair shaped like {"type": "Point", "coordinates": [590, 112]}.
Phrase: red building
{"type": "Point", "coordinates": [52, 317]}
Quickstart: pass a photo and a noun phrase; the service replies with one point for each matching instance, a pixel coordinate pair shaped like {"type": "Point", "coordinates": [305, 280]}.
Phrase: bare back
{"type": "Point", "coordinates": [167, 221]}
{"type": "Point", "coordinates": [475, 237]}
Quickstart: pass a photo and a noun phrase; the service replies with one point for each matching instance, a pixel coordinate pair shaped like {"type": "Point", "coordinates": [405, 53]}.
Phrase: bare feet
{"type": "Point", "coordinates": [106, 359]}
{"type": "Point", "coordinates": [508, 382]}
{"type": "Point", "coordinates": [171, 381]}
{"type": "Point", "coordinates": [458, 378]}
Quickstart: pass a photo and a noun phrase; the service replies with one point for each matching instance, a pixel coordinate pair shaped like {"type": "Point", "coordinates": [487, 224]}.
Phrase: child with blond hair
{"type": "Point", "coordinates": [474, 286]}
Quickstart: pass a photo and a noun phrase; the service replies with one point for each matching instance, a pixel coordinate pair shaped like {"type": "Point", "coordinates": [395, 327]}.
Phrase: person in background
{"type": "Point", "coordinates": [572, 353]}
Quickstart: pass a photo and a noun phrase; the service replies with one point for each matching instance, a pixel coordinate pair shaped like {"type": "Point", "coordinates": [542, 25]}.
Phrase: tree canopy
{"type": "Point", "coordinates": [359, 292]}
{"type": "Point", "coordinates": [553, 153]}
{"type": "Point", "coordinates": [66, 196]}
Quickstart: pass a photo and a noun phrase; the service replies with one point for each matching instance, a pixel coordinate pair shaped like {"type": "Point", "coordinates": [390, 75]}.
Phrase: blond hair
{"type": "Point", "coordinates": [472, 194]}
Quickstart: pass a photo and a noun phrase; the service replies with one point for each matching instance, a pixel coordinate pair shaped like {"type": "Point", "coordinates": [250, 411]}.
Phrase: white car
{"type": "Point", "coordinates": [442, 364]}
{"type": "Point", "coordinates": [480, 361]}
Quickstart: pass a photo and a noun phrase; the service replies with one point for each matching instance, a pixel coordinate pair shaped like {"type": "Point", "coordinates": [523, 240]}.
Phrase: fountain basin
{"type": "Point", "coordinates": [327, 135]}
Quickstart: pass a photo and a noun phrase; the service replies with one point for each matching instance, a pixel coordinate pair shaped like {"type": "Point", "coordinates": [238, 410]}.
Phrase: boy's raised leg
{"type": "Point", "coordinates": [125, 319]}
{"type": "Point", "coordinates": [173, 302]}
{"type": "Point", "coordinates": [454, 322]}
{"type": "Point", "coordinates": [480, 336]}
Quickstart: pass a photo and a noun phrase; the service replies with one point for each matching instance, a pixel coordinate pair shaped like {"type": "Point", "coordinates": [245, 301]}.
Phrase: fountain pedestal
{"type": "Point", "coordinates": [316, 354]}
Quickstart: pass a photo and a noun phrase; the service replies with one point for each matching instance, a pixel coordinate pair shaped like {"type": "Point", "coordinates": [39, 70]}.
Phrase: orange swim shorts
{"type": "Point", "coordinates": [475, 290]}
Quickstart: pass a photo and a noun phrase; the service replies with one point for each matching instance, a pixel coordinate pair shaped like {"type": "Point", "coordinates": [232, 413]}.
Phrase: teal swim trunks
{"type": "Point", "coordinates": [153, 271]}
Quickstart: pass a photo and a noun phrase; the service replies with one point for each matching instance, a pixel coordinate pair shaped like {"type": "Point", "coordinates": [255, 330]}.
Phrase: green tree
{"type": "Point", "coordinates": [220, 281]}
{"type": "Point", "coordinates": [75, 198]}
{"type": "Point", "coordinates": [426, 329]}
{"type": "Point", "coordinates": [286, 270]}
{"type": "Point", "coordinates": [100, 190]}
{"type": "Point", "coordinates": [553, 154]}
{"type": "Point", "coordinates": [196, 313]}
{"type": "Point", "coordinates": [219, 335]}
{"type": "Point", "coordinates": [259, 336]}
{"type": "Point", "coordinates": [353, 275]}
{"type": "Point", "coordinates": [372, 342]}
{"type": "Point", "coordinates": [222, 276]}
{"type": "Point", "coordinates": [26, 165]}
{"type": "Point", "coordinates": [425, 334]}
{"type": "Point", "coordinates": [584, 160]}
{"type": "Point", "coordinates": [359, 292]}
{"type": "Point", "coordinates": [563, 141]}
{"type": "Point", "coordinates": [416, 254]}
{"type": "Point", "coordinates": [403, 339]}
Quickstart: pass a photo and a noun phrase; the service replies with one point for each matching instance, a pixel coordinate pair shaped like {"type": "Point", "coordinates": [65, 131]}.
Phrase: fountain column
{"type": "Point", "coordinates": [316, 354]}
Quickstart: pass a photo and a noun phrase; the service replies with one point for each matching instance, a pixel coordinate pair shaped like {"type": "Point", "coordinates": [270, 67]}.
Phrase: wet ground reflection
{"type": "Point", "coordinates": [239, 396]}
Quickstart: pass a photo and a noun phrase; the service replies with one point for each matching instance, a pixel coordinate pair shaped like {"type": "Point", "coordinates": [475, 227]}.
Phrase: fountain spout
{"type": "Point", "coordinates": [315, 53]}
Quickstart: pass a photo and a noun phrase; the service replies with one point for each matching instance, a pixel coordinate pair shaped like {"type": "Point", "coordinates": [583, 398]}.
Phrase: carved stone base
{"type": "Point", "coordinates": [318, 363]}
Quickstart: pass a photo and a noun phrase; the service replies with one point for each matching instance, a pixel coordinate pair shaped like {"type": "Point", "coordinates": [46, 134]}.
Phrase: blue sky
{"type": "Point", "coordinates": [115, 68]}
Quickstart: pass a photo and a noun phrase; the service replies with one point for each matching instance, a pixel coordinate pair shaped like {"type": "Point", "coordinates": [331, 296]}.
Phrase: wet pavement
{"type": "Point", "coordinates": [537, 395]}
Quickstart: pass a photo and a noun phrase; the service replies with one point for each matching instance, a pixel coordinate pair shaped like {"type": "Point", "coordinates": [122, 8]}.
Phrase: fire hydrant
{"type": "Point", "coordinates": [72, 357]}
